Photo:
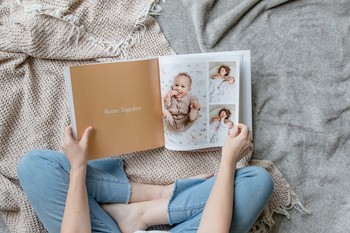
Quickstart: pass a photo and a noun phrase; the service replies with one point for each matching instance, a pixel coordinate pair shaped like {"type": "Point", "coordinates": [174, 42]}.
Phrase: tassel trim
{"type": "Point", "coordinates": [263, 225]}
{"type": "Point", "coordinates": [121, 48]}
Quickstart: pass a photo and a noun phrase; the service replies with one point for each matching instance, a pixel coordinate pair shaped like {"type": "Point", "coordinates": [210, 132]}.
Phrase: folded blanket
{"type": "Point", "coordinates": [39, 38]}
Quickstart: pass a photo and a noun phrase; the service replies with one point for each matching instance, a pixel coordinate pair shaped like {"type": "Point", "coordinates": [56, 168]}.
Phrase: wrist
{"type": "Point", "coordinates": [77, 176]}
{"type": "Point", "coordinates": [226, 168]}
{"type": "Point", "coordinates": [78, 168]}
{"type": "Point", "coordinates": [229, 158]}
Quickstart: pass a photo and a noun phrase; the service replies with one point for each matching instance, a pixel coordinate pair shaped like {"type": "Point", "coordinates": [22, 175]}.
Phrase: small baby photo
{"type": "Point", "coordinates": [221, 120]}
{"type": "Point", "coordinates": [222, 80]}
{"type": "Point", "coordinates": [184, 103]}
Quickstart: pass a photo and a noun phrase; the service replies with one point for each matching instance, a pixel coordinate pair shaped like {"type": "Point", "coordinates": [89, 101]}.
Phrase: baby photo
{"type": "Point", "coordinates": [221, 120]}
{"type": "Point", "coordinates": [222, 80]}
{"type": "Point", "coordinates": [181, 108]}
{"type": "Point", "coordinates": [184, 103]}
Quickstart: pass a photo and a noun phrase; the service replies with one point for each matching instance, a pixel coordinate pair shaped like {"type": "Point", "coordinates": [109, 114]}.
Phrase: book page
{"type": "Point", "coordinates": [121, 100]}
{"type": "Point", "coordinates": [200, 95]}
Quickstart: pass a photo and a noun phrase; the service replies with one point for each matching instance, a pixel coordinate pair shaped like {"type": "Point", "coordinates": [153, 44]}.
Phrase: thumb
{"type": "Point", "coordinates": [234, 131]}
{"type": "Point", "coordinates": [86, 135]}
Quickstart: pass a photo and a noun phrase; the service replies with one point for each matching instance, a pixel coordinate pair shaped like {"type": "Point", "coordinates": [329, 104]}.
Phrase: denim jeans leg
{"type": "Point", "coordinates": [44, 176]}
{"type": "Point", "coordinates": [107, 182]}
{"type": "Point", "coordinates": [188, 199]}
{"type": "Point", "coordinates": [253, 188]}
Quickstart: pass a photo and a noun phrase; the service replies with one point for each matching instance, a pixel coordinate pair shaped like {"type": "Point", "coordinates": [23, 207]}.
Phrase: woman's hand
{"type": "Point", "coordinates": [237, 144]}
{"type": "Point", "coordinates": [76, 151]}
{"type": "Point", "coordinates": [76, 217]}
{"type": "Point", "coordinates": [217, 213]}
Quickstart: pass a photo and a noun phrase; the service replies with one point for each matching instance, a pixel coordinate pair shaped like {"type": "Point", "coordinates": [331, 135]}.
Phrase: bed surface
{"type": "Point", "coordinates": [300, 84]}
{"type": "Point", "coordinates": [301, 91]}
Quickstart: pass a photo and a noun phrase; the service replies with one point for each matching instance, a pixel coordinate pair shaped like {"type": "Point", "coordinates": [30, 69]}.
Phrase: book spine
{"type": "Point", "coordinates": [69, 91]}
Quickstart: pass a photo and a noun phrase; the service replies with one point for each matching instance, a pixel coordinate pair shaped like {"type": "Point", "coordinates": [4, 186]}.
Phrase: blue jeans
{"type": "Point", "coordinates": [44, 176]}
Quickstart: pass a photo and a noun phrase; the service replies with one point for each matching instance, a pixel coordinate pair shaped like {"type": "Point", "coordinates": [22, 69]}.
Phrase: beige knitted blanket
{"type": "Point", "coordinates": [37, 39]}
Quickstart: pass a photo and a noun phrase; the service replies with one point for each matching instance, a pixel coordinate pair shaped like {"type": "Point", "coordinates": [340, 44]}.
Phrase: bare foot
{"type": "Point", "coordinates": [128, 216]}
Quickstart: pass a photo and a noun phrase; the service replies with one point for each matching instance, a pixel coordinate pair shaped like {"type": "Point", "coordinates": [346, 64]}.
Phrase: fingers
{"type": "Point", "coordinates": [244, 129]}
{"type": "Point", "coordinates": [241, 130]}
{"type": "Point", "coordinates": [245, 133]}
{"type": "Point", "coordinates": [68, 135]}
{"type": "Point", "coordinates": [234, 131]}
{"type": "Point", "coordinates": [86, 135]}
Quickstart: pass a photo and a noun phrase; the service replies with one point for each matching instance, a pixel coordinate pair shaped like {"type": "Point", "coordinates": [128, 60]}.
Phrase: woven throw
{"type": "Point", "coordinates": [39, 38]}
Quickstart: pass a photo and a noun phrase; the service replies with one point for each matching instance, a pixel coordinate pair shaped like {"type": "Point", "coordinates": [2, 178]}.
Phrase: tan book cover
{"type": "Point", "coordinates": [122, 102]}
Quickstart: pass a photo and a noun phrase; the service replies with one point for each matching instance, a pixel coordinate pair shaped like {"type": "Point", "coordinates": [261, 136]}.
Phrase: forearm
{"type": "Point", "coordinates": [217, 213]}
{"type": "Point", "coordinates": [76, 217]}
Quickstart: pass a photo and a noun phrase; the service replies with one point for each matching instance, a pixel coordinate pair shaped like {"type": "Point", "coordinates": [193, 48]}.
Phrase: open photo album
{"type": "Point", "coordinates": [181, 102]}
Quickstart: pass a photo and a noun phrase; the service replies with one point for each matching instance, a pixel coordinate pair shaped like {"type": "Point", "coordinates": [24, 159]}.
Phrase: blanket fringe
{"type": "Point", "coordinates": [296, 205]}
{"type": "Point", "coordinates": [121, 48]}
{"type": "Point", "coordinates": [263, 225]}
{"type": "Point", "coordinates": [301, 208]}
{"type": "Point", "coordinates": [155, 9]}
{"type": "Point", "coordinates": [283, 209]}
{"type": "Point", "coordinates": [259, 227]}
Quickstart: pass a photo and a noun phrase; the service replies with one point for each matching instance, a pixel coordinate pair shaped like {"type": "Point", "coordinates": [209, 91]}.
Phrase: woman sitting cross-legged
{"type": "Point", "coordinates": [71, 194]}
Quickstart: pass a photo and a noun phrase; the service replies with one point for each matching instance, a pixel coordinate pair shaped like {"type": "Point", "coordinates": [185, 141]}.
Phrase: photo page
{"type": "Point", "coordinates": [200, 99]}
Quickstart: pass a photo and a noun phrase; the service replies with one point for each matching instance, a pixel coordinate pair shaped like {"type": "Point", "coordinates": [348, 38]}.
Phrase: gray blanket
{"type": "Point", "coordinates": [301, 90]}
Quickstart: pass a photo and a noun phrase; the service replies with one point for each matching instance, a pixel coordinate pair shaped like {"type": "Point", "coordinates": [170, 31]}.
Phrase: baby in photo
{"type": "Point", "coordinates": [220, 126]}
{"type": "Point", "coordinates": [222, 85]}
{"type": "Point", "coordinates": [181, 107]}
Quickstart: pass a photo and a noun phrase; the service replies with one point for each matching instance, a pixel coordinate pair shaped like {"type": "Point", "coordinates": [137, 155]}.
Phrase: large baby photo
{"type": "Point", "coordinates": [184, 96]}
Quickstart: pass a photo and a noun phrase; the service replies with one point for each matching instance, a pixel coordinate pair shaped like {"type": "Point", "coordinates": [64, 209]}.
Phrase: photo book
{"type": "Point", "coordinates": [180, 102]}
